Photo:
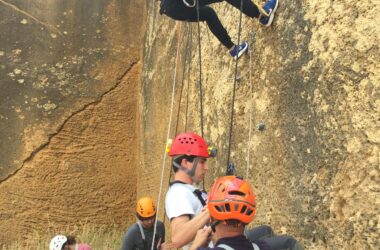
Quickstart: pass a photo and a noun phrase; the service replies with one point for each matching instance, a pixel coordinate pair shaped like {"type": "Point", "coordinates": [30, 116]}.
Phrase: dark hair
{"type": "Point", "coordinates": [144, 218]}
{"type": "Point", "coordinates": [71, 240]}
{"type": "Point", "coordinates": [234, 223]}
{"type": "Point", "coordinates": [178, 160]}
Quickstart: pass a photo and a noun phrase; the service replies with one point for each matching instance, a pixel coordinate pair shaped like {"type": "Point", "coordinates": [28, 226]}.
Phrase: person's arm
{"type": "Point", "coordinates": [202, 238]}
{"type": "Point", "coordinates": [129, 239]}
{"type": "Point", "coordinates": [184, 229]}
{"type": "Point", "coordinates": [163, 232]}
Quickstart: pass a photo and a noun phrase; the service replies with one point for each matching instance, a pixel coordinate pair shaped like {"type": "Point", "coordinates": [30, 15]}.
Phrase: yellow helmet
{"type": "Point", "coordinates": [145, 207]}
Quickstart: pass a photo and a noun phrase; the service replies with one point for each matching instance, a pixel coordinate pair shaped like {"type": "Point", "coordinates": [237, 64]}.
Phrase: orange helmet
{"type": "Point", "coordinates": [232, 198]}
{"type": "Point", "coordinates": [145, 207]}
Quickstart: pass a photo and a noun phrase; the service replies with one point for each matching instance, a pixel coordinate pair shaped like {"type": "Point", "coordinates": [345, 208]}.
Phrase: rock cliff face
{"type": "Point", "coordinates": [69, 74]}
{"type": "Point", "coordinates": [85, 105]}
{"type": "Point", "coordinates": [313, 80]}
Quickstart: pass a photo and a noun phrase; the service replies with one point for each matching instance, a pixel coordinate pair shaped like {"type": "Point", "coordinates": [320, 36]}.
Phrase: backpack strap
{"type": "Point", "coordinates": [141, 230]}
{"type": "Point", "coordinates": [142, 235]}
{"type": "Point", "coordinates": [198, 194]}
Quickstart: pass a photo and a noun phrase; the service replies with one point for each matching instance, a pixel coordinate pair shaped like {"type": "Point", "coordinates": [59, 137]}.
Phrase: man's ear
{"type": "Point", "coordinates": [184, 163]}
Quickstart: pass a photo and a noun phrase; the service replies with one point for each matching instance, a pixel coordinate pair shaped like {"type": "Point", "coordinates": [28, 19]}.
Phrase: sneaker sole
{"type": "Point", "coordinates": [271, 16]}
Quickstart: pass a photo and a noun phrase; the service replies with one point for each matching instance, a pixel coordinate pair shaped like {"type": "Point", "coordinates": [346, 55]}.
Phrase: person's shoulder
{"type": "Point", "coordinates": [179, 191]}
{"type": "Point", "coordinates": [133, 228]}
{"type": "Point", "coordinates": [181, 187]}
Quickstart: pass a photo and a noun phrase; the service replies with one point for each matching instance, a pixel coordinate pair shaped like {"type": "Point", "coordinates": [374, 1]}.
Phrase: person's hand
{"type": "Point", "coordinates": [167, 246]}
{"type": "Point", "coordinates": [202, 238]}
{"type": "Point", "coordinates": [205, 211]}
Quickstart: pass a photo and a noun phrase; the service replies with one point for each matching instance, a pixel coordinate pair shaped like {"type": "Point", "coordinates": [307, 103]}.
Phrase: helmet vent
{"type": "Point", "coordinates": [249, 212]}
{"type": "Point", "coordinates": [243, 209]}
{"type": "Point", "coordinates": [228, 208]}
{"type": "Point", "coordinates": [236, 193]}
{"type": "Point", "coordinates": [236, 207]}
{"type": "Point", "coordinates": [219, 208]}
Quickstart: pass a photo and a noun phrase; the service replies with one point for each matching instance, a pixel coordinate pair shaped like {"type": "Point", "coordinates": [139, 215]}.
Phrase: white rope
{"type": "Point", "coordinates": [167, 138]}
{"type": "Point", "coordinates": [252, 36]}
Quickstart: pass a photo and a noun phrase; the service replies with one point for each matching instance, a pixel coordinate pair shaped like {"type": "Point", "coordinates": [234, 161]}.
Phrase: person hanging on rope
{"type": "Point", "coordinates": [140, 234]}
{"type": "Point", "coordinates": [232, 206]}
{"type": "Point", "coordinates": [184, 202]}
{"type": "Point", "coordinates": [186, 10]}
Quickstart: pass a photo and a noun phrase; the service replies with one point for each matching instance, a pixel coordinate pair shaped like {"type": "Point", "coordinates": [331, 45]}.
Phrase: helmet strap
{"type": "Point", "coordinates": [214, 224]}
{"type": "Point", "coordinates": [194, 168]}
{"type": "Point", "coordinates": [190, 172]}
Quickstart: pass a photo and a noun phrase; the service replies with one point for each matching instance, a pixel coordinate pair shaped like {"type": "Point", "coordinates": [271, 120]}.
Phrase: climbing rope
{"type": "Point", "coordinates": [167, 138]}
{"type": "Point", "coordinates": [234, 89]}
{"type": "Point", "coordinates": [200, 70]}
{"type": "Point", "coordinates": [188, 74]}
{"type": "Point", "coordinates": [251, 48]}
{"type": "Point", "coordinates": [182, 79]}
{"type": "Point", "coordinates": [200, 78]}
{"type": "Point", "coordinates": [153, 17]}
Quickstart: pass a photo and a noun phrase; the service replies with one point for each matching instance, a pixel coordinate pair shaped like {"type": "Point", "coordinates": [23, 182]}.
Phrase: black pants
{"type": "Point", "coordinates": [177, 10]}
{"type": "Point", "coordinates": [276, 242]}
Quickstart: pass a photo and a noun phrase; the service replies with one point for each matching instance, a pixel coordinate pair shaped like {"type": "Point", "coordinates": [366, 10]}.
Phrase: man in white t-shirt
{"type": "Point", "coordinates": [184, 202]}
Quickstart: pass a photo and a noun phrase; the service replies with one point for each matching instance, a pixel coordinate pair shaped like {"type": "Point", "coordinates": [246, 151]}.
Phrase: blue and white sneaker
{"type": "Point", "coordinates": [238, 50]}
{"type": "Point", "coordinates": [270, 7]}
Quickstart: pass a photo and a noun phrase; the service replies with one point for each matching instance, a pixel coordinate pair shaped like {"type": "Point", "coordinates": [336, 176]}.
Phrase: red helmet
{"type": "Point", "coordinates": [189, 144]}
{"type": "Point", "coordinates": [232, 198]}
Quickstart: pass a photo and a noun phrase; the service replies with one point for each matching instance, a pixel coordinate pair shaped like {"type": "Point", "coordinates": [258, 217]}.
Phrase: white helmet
{"type": "Point", "coordinates": [57, 242]}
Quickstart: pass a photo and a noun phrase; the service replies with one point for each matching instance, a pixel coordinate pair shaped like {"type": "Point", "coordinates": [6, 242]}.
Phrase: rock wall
{"type": "Point", "coordinates": [85, 105]}
{"type": "Point", "coordinates": [69, 109]}
{"type": "Point", "coordinates": [312, 79]}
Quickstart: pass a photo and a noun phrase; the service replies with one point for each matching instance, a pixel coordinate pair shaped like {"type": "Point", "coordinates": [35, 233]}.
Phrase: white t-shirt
{"type": "Point", "coordinates": [180, 200]}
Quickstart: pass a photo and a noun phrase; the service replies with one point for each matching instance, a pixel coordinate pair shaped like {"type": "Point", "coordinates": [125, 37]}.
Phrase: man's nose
{"type": "Point", "coordinates": [205, 166]}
